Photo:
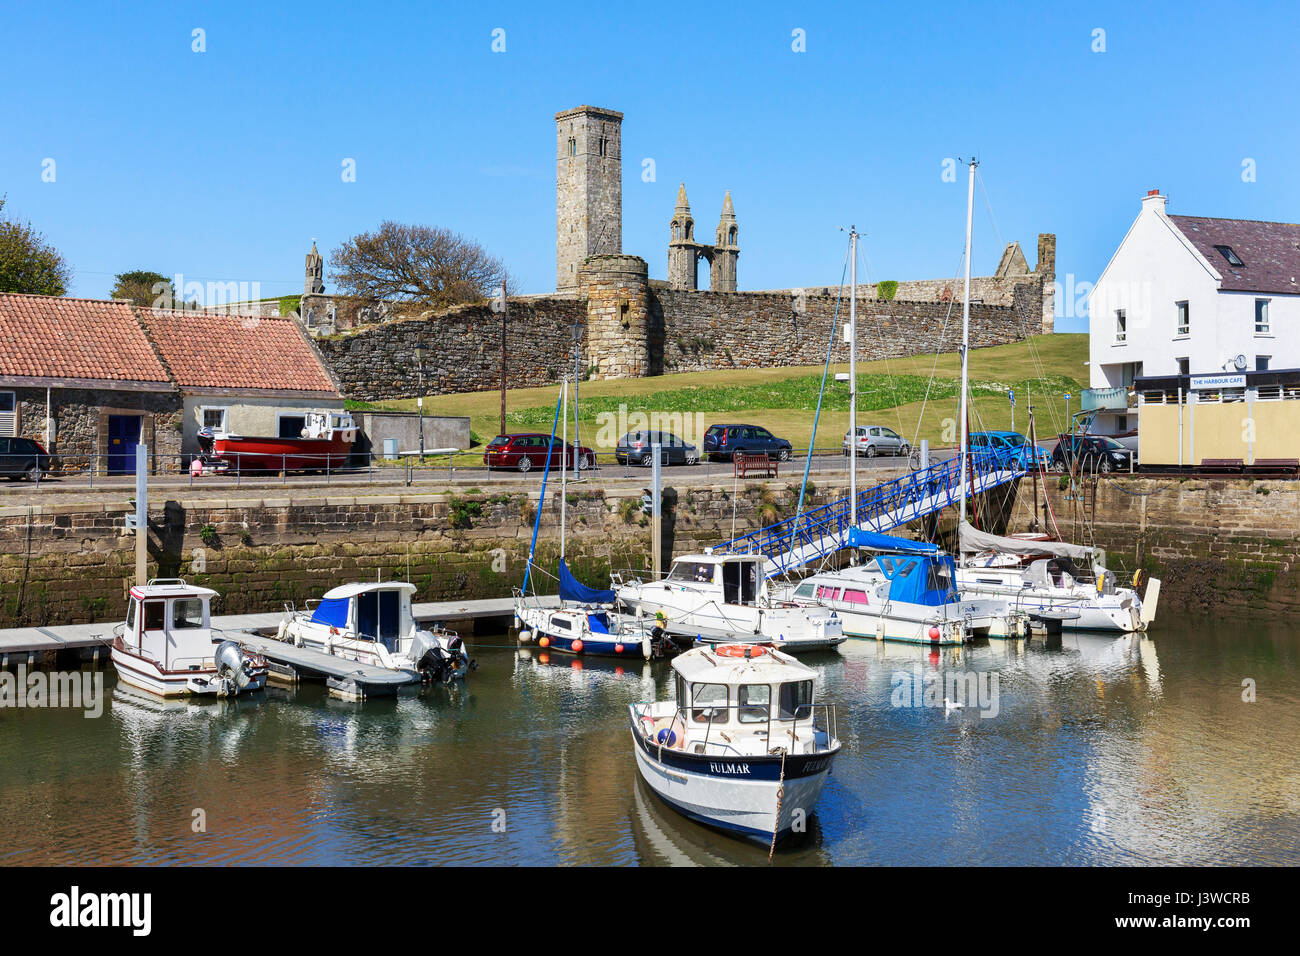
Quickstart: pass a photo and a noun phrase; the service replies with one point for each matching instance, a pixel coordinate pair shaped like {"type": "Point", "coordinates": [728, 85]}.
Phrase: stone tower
{"type": "Point", "coordinates": [726, 250]}
{"type": "Point", "coordinates": [314, 281]}
{"type": "Point", "coordinates": [588, 189]}
{"type": "Point", "coordinates": [683, 252]}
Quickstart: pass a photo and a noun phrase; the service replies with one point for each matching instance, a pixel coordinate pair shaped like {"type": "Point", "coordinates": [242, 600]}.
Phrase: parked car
{"type": "Point", "coordinates": [1092, 453]}
{"type": "Point", "coordinates": [1014, 446]}
{"type": "Point", "coordinates": [724, 441]}
{"type": "Point", "coordinates": [876, 440]}
{"type": "Point", "coordinates": [23, 458]}
{"type": "Point", "coordinates": [636, 446]}
{"type": "Point", "coordinates": [528, 451]}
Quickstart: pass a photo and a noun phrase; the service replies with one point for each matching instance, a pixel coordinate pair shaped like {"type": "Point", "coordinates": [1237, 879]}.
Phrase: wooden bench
{"type": "Point", "coordinates": [1278, 466]}
{"type": "Point", "coordinates": [760, 464]}
{"type": "Point", "coordinates": [1221, 464]}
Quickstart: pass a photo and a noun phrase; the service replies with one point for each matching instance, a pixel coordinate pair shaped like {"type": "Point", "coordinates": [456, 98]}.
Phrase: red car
{"type": "Point", "coordinates": [528, 451]}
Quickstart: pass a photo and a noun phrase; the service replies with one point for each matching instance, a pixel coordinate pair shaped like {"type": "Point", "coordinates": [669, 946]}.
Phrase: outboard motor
{"type": "Point", "coordinates": [232, 669]}
{"type": "Point", "coordinates": [438, 663]}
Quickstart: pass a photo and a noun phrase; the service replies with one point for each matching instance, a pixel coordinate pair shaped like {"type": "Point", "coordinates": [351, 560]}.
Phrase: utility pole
{"type": "Point", "coordinates": [576, 332]}
{"type": "Point", "coordinates": [419, 400]}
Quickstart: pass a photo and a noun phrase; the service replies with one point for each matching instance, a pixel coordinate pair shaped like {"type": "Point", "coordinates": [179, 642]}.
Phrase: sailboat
{"type": "Point", "coordinates": [586, 622]}
{"type": "Point", "coordinates": [908, 590]}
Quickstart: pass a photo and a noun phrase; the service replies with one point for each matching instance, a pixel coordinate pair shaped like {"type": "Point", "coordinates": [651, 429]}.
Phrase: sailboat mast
{"type": "Point", "coordinates": [965, 343]}
{"type": "Point", "coordinates": [853, 376]}
{"type": "Point", "coordinates": [564, 456]}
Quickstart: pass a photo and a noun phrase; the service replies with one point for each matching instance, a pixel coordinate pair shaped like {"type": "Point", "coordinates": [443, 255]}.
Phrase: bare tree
{"type": "Point", "coordinates": [422, 266]}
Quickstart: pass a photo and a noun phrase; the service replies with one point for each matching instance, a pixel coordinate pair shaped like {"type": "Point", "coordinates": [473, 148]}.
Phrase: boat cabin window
{"type": "Point", "coordinates": [131, 607]}
{"type": "Point", "coordinates": [796, 700]}
{"type": "Point", "coordinates": [681, 694]}
{"type": "Point", "coordinates": [804, 590]}
{"type": "Point", "coordinates": [854, 596]}
{"type": "Point", "coordinates": [755, 703]}
{"type": "Point", "coordinates": [829, 593]}
{"type": "Point", "coordinates": [187, 612]}
{"type": "Point", "coordinates": [378, 615]}
{"type": "Point", "coordinates": [698, 571]}
{"type": "Point", "coordinates": [561, 623]}
{"type": "Point", "coordinates": [155, 615]}
{"type": "Point", "coordinates": [709, 703]}
{"type": "Point", "coordinates": [891, 566]}
{"type": "Point", "coordinates": [740, 582]}
{"type": "Point", "coordinates": [940, 579]}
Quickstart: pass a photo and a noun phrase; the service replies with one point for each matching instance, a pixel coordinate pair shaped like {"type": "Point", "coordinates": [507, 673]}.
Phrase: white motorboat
{"type": "Point", "coordinates": [725, 599]}
{"type": "Point", "coordinates": [1037, 575]}
{"type": "Point", "coordinates": [373, 624]}
{"type": "Point", "coordinates": [906, 593]}
{"type": "Point", "coordinates": [167, 645]}
{"type": "Point", "coordinates": [743, 747]}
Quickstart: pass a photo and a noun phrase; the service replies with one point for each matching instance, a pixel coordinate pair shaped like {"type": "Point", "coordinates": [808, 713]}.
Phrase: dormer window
{"type": "Point", "coordinates": [1232, 257]}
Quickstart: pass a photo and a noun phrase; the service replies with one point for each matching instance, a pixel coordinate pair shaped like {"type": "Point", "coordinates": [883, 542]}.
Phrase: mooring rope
{"type": "Point", "coordinates": [780, 798]}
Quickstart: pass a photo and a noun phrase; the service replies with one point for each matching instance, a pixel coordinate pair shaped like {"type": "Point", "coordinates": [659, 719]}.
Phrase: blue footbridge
{"type": "Point", "coordinates": [814, 534]}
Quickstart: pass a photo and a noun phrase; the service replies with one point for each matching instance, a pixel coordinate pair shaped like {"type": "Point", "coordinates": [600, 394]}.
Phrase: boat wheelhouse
{"type": "Point", "coordinates": [374, 624]}
{"type": "Point", "coordinates": [325, 442]}
{"type": "Point", "coordinates": [743, 746]}
{"type": "Point", "coordinates": [725, 598]}
{"type": "Point", "coordinates": [167, 645]}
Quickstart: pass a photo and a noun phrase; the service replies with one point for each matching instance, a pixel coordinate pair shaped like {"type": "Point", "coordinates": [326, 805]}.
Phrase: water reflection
{"type": "Point", "coordinates": [1102, 749]}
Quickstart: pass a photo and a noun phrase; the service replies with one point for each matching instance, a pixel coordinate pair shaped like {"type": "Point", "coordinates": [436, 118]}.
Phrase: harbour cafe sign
{"type": "Point", "coordinates": [1206, 383]}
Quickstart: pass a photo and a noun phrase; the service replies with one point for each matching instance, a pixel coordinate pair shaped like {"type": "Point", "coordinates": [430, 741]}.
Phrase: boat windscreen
{"type": "Point", "coordinates": [332, 612]}
{"type": "Point", "coordinates": [377, 614]}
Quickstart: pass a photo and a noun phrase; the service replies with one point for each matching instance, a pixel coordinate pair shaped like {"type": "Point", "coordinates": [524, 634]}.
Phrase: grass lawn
{"type": "Point", "coordinates": [892, 392]}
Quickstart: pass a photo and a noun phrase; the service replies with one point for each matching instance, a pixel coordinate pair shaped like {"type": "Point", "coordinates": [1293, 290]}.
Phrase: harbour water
{"type": "Point", "coordinates": [1103, 750]}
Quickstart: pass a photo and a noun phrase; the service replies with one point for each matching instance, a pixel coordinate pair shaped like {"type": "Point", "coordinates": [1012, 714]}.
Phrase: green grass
{"type": "Point", "coordinates": [891, 392]}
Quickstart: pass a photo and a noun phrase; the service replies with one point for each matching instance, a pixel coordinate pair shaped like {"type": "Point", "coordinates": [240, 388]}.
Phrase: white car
{"type": "Point", "coordinates": [876, 440]}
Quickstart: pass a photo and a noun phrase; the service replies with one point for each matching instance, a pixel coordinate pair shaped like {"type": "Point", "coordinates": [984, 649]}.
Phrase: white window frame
{"type": "Point", "coordinates": [1182, 319]}
{"type": "Point", "coordinates": [1121, 326]}
{"type": "Point", "coordinates": [225, 416]}
{"type": "Point", "coordinates": [290, 414]}
{"type": "Point", "coordinates": [1267, 328]}
{"type": "Point", "coordinates": [9, 419]}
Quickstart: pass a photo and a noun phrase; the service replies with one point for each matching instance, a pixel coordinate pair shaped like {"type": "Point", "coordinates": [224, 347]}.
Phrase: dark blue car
{"type": "Point", "coordinates": [724, 441]}
{"type": "Point", "coordinates": [1014, 446]}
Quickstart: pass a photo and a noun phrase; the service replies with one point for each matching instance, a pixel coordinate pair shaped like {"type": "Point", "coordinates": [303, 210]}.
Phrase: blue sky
{"type": "Point", "coordinates": [223, 165]}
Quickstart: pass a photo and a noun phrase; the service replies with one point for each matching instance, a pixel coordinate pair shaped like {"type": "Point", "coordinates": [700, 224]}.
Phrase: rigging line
{"type": "Point", "coordinates": [885, 350]}
{"type": "Point", "coordinates": [541, 499]}
{"type": "Point", "coordinates": [812, 441]}
{"type": "Point", "coordinates": [989, 206]}
{"type": "Point", "coordinates": [938, 351]}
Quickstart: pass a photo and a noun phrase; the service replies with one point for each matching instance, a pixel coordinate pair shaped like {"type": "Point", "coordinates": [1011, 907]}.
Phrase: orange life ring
{"type": "Point", "coordinates": [741, 650]}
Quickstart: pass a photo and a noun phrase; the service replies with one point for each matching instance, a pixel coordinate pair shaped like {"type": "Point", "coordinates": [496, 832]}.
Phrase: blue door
{"type": "Point", "coordinates": [123, 437]}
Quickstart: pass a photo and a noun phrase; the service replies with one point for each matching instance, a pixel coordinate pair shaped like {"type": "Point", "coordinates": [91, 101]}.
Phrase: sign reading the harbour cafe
{"type": "Point", "coordinates": [1205, 383]}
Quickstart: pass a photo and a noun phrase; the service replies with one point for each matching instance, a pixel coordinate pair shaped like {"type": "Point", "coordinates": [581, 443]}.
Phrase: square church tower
{"type": "Point", "coordinates": [588, 189]}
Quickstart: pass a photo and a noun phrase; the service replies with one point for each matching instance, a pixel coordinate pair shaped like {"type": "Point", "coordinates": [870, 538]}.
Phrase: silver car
{"type": "Point", "coordinates": [876, 440]}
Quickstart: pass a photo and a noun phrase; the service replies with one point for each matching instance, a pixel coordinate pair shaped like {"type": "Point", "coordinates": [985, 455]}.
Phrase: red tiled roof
{"type": "Point", "coordinates": [44, 336]}
{"type": "Point", "coordinates": [207, 350]}
{"type": "Point", "coordinates": [1269, 252]}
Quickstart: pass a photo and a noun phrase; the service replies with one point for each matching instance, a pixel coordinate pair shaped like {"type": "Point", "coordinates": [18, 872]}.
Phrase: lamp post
{"type": "Point", "coordinates": [419, 400]}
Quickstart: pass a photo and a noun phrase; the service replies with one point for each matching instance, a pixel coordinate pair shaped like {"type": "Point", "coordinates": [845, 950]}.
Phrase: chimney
{"type": "Point", "coordinates": [1153, 201]}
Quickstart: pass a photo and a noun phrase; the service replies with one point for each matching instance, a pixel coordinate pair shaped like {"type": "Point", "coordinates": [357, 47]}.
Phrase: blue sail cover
{"type": "Point", "coordinates": [886, 542]}
{"type": "Point", "coordinates": [332, 612]}
{"type": "Point", "coordinates": [571, 589]}
{"type": "Point", "coordinates": [925, 579]}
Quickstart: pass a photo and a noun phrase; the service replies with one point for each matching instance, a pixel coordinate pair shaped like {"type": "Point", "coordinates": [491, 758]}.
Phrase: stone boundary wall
{"type": "Point", "coordinates": [700, 331]}
{"type": "Point", "coordinates": [463, 346]}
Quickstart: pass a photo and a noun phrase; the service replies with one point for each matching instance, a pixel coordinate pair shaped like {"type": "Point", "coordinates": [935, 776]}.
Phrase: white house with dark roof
{"type": "Point", "coordinates": [1191, 296]}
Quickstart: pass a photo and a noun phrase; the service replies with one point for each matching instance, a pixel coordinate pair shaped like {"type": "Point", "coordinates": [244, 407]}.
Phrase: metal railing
{"type": "Point", "coordinates": [788, 727]}
{"type": "Point", "coordinates": [819, 531]}
{"type": "Point", "coordinates": [115, 470]}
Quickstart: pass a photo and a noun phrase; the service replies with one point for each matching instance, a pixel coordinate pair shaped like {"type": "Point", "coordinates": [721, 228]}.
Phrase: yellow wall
{"type": "Point", "coordinates": [1219, 431]}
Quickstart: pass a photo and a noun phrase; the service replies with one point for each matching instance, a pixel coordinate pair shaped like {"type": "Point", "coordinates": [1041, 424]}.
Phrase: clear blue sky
{"type": "Point", "coordinates": [223, 165]}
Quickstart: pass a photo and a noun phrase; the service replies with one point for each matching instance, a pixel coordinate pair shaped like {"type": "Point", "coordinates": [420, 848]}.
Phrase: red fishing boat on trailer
{"type": "Point", "coordinates": [324, 443]}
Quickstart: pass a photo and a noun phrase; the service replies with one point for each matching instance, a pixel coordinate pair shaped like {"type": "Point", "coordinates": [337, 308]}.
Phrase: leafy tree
{"type": "Point", "coordinates": [887, 289]}
{"type": "Point", "coordinates": [28, 263]}
{"type": "Point", "coordinates": [146, 289]}
{"type": "Point", "coordinates": [416, 265]}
